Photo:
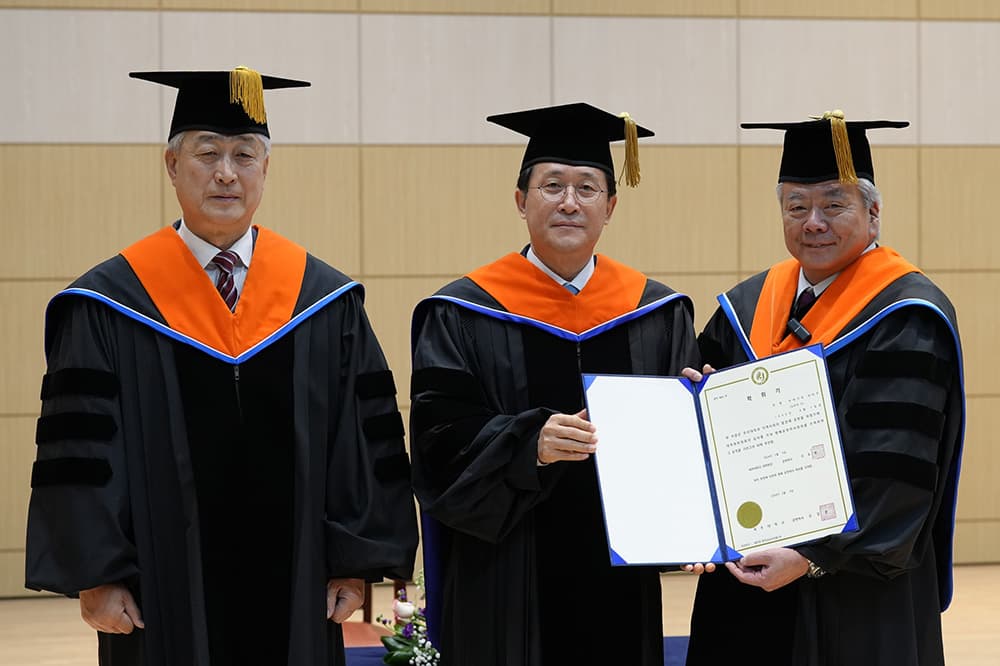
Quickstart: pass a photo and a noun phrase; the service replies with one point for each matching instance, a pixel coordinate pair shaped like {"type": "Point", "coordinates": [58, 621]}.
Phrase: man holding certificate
{"type": "Point", "coordinates": [515, 551]}
{"type": "Point", "coordinates": [874, 595]}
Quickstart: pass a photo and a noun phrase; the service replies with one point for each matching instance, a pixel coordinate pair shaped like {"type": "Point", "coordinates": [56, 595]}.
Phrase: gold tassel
{"type": "Point", "coordinates": [841, 146]}
{"type": "Point", "coordinates": [247, 88]}
{"type": "Point", "coordinates": [630, 170]}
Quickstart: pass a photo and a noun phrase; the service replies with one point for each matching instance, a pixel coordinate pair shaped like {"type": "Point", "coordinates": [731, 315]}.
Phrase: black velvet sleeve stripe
{"type": "Point", "coordinates": [79, 381]}
{"type": "Point", "coordinates": [899, 466]}
{"type": "Point", "coordinates": [383, 426]}
{"type": "Point", "coordinates": [392, 468]}
{"type": "Point", "coordinates": [375, 385]}
{"type": "Point", "coordinates": [70, 472]}
{"type": "Point", "coordinates": [916, 364]}
{"type": "Point", "coordinates": [447, 380]}
{"type": "Point", "coordinates": [900, 415]}
{"type": "Point", "coordinates": [75, 425]}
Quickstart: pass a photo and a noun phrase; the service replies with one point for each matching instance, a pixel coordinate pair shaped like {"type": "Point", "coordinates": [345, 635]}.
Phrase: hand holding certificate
{"type": "Point", "coordinates": [748, 459]}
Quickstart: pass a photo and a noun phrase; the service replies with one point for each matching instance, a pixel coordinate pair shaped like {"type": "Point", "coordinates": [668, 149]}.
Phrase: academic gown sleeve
{"type": "Point", "coordinates": [475, 467]}
{"type": "Point", "coordinates": [894, 418]}
{"type": "Point", "coordinates": [371, 527]}
{"type": "Point", "coordinates": [718, 344]}
{"type": "Point", "coordinates": [79, 532]}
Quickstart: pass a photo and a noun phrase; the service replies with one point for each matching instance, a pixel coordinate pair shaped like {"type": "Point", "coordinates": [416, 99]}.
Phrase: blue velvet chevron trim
{"type": "Point", "coordinates": [852, 524]}
{"type": "Point", "coordinates": [503, 315]}
{"type": "Point", "coordinates": [215, 353]}
{"type": "Point", "coordinates": [734, 321]}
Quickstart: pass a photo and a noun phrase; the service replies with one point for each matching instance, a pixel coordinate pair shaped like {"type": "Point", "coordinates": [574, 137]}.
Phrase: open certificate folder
{"type": "Point", "coordinates": [746, 460]}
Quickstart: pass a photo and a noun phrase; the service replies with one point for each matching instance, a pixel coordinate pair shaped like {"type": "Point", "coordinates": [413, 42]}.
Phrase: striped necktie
{"type": "Point", "coordinates": [571, 288]}
{"type": "Point", "coordinates": [226, 261]}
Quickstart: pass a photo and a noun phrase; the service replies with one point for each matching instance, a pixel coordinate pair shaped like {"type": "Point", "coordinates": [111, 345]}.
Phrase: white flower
{"type": "Point", "coordinates": [404, 610]}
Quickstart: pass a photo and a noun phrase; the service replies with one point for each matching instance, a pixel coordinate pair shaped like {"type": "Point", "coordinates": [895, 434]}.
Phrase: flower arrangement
{"type": "Point", "coordinates": [408, 643]}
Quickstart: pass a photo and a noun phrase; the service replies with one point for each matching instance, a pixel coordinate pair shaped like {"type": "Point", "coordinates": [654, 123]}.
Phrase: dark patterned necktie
{"type": "Point", "coordinates": [803, 303]}
{"type": "Point", "coordinates": [226, 261]}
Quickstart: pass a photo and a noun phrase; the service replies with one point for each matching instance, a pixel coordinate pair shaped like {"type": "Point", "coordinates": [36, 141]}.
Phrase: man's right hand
{"type": "Point", "coordinates": [566, 437]}
{"type": "Point", "coordinates": [110, 609]}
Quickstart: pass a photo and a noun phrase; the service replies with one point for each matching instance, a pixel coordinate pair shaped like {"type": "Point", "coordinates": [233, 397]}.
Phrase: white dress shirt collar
{"type": "Point", "coordinates": [580, 281]}
{"type": "Point", "coordinates": [204, 251]}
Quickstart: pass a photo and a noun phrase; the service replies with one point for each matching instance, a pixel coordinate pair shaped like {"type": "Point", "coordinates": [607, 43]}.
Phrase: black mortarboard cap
{"type": "Point", "coordinates": [826, 148]}
{"type": "Point", "coordinates": [576, 134]}
{"type": "Point", "coordinates": [226, 102]}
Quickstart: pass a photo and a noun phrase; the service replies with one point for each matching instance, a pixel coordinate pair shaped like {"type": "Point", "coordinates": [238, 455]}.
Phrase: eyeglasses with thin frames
{"type": "Point", "coordinates": [555, 192]}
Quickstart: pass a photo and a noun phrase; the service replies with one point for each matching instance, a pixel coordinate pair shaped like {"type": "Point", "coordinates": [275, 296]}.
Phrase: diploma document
{"type": "Point", "coordinates": [748, 459]}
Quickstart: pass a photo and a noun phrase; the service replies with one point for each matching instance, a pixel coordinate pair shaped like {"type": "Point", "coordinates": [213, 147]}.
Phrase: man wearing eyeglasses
{"type": "Point", "coordinates": [515, 550]}
{"type": "Point", "coordinates": [871, 596]}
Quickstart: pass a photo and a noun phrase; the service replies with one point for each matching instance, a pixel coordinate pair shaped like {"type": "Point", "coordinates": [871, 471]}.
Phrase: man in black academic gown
{"type": "Point", "coordinates": [516, 557]}
{"type": "Point", "coordinates": [220, 459]}
{"type": "Point", "coordinates": [873, 596]}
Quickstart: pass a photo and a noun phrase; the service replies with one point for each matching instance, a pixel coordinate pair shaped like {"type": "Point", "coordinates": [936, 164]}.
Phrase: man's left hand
{"type": "Point", "coordinates": [769, 569]}
{"type": "Point", "coordinates": [343, 597]}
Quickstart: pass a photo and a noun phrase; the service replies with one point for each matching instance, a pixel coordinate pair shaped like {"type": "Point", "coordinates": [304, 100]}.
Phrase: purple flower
{"type": "Point", "coordinates": [408, 630]}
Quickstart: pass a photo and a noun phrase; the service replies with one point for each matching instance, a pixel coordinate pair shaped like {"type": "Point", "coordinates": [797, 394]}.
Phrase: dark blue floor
{"type": "Point", "coordinates": [674, 650]}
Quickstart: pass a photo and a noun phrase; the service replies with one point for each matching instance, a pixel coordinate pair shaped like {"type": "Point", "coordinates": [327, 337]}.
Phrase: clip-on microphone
{"type": "Point", "coordinates": [798, 330]}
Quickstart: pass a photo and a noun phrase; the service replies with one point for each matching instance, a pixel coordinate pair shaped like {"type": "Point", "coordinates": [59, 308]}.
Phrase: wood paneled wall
{"type": "Point", "coordinates": [387, 169]}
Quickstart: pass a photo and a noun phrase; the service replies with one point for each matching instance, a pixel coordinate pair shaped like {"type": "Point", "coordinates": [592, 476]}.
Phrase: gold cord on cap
{"type": "Point", "coordinates": [841, 145]}
{"type": "Point", "coordinates": [247, 88]}
{"type": "Point", "coordinates": [630, 170]}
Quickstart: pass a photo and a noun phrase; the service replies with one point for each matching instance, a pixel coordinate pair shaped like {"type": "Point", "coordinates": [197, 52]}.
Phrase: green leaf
{"type": "Point", "coordinates": [398, 658]}
{"type": "Point", "coordinates": [395, 643]}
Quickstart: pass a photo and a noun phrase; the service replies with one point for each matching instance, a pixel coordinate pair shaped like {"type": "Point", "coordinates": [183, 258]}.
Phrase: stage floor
{"type": "Point", "coordinates": [48, 631]}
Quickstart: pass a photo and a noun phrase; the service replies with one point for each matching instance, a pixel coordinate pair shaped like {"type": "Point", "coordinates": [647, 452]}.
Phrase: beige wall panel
{"type": "Point", "coordinates": [319, 47]}
{"type": "Point", "coordinates": [438, 210]}
{"type": "Point", "coordinates": [264, 5]}
{"type": "Point", "coordinates": [897, 176]}
{"type": "Point", "coordinates": [313, 197]}
{"type": "Point", "coordinates": [65, 76]}
{"type": "Point", "coordinates": [956, 208]}
{"type": "Point", "coordinates": [978, 498]}
{"type": "Point", "coordinates": [681, 81]}
{"type": "Point", "coordinates": [17, 433]}
{"type": "Point", "coordinates": [822, 8]}
{"type": "Point", "coordinates": [683, 216]}
{"type": "Point", "coordinates": [974, 296]}
{"type": "Point", "coordinates": [390, 303]}
{"type": "Point", "coordinates": [646, 7]}
{"type": "Point", "coordinates": [760, 232]}
{"type": "Point", "coordinates": [80, 4]}
{"type": "Point", "coordinates": [702, 289]}
{"type": "Point", "coordinates": [959, 84]}
{"type": "Point", "coordinates": [873, 76]}
{"type": "Point", "coordinates": [457, 6]}
{"type": "Point", "coordinates": [434, 79]}
{"type": "Point", "coordinates": [977, 542]}
{"type": "Point", "coordinates": [959, 9]}
{"type": "Point", "coordinates": [73, 206]}
{"type": "Point", "coordinates": [22, 358]}
{"type": "Point", "coordinates": [12, 575]}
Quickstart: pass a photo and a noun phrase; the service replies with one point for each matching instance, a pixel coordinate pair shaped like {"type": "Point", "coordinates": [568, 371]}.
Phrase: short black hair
{"type": "Point", "coordinates": [525, 176]}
